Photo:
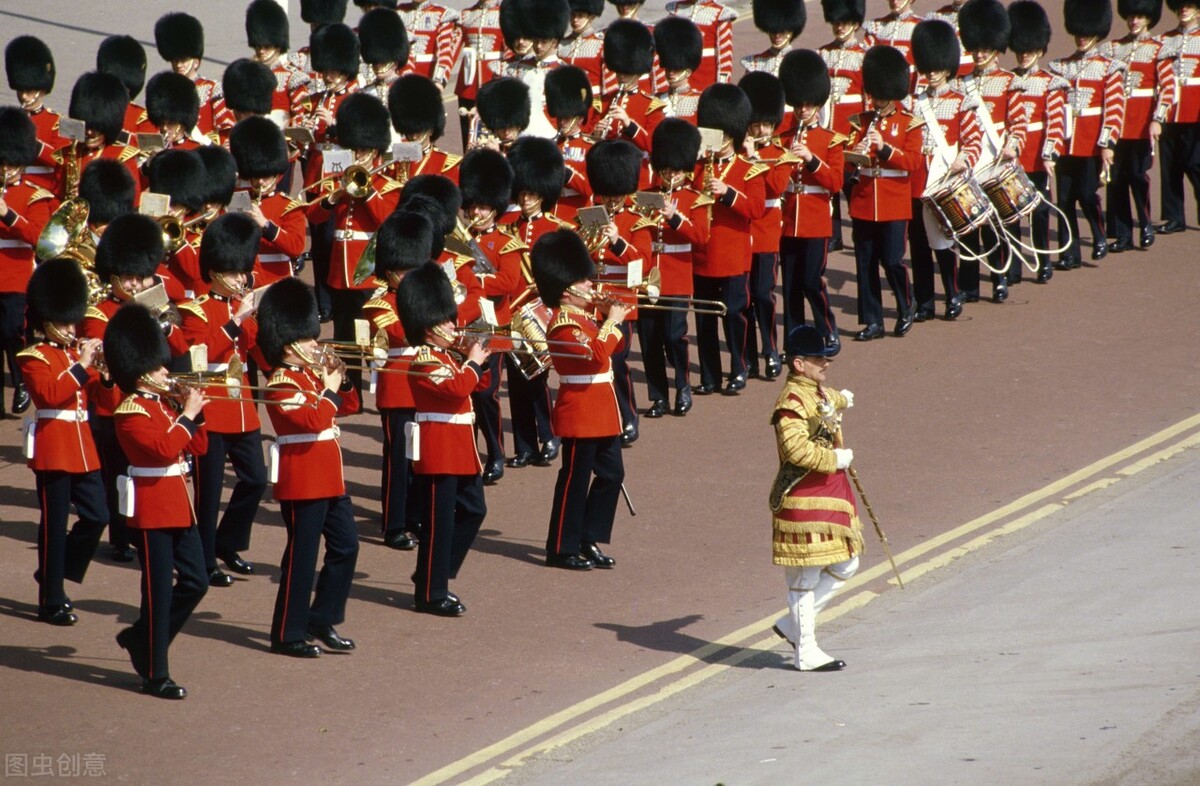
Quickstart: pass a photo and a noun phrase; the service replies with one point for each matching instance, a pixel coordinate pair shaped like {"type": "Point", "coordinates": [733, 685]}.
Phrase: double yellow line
{"type": "Point", "coordinates": [578, 720]}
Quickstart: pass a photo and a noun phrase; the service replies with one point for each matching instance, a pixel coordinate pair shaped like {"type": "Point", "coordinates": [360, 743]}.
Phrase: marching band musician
{"type": "Point", "coordinates": [483, 44]}
{"type": "Point", "coordinates": [419, 115]}
{"type": "Point", "coordinates": [738, 187]}
{"type": "Point", "coordinates": [25, 208]}
{"type": "Point", "coordinates": [180, 175]}
{"type": "Point", "coordinates": [248, 88]}
{"type": "Point", "coordinates": [583, 46]}
{"type": "Point", "coordinates": [715, 20]}
{"type": "Point", "coordinates": [951, 144]}
{"type": "Point", "coordinates": [1178, 110]}
{"type": "Point", "coordinates": [445, 462]}
{"type": "Point", "coordinates": [502, 112]}
{"type": "Point", "coordinates": [307, 394]}
{"type": "Point", "coordinates": [894, 29]}
{"type": "Point", "coordinates": [179, 38]}
{"type": "Point", "coordinates": [405, 241]}
{"type": "Point", "coordinates": [29, 66]}
{"type": "Point", "coordinates": [384, 43]}
{"type": "Point", "coordinates": [316, 14]}
{"type": "Point", "coordinates": [844, 57]}
{"type": "Point", "coordinates": [334, 54]}
{"type": "Point", "coordinates": [626, 111]}
{"type": "Point", "coordinates": [269, 35]}
{"type": "Point", "coordinates": [220, 181]}
{"type": "Point", "coordinates": [667, 239]}
{"type": "Point", "coordinates": [678, 44]}
{"type": "Point", "coordinates": [223, 321]}
{"type": "Point", "coordinates": [881, 201]}
{"type": "Point", "coordinates": [261, 154]}
{"type": "Point", "coordinates": [649, 82]}
{"type": "Point", "coordinates": [108, 188]}
{"type": "Point", "coordinates": [585, 412]}
{"type": "Point", "coordinates": [1044, 97]}
{"type": "Point", "coordinates": [543, 23]}
{"type": "Point", "coordinates": [173, 110]}
{"type": "Point", "coordinates": [434, 38]}
{"type": "Point", "coordinates": [59, 372]}
{"type": "Point", "coordinates": [1095, 114]}
{"type": "Point", "coordinates": [950, 14]}
{"type": "Point", "coordinates": [817, 176]}
{"type": "Point", "coordinates": [1134, 154]}
{"type": "Point", "coordinates": [123, 57]}
{"type": "Point", "coordinates": [155, 435]}
{"type": "Point", "coordinates": [569, 102]}
{"type": "Point", "coordinates": [782, 23]}
{"type": "Point", "coordinates": [99, 100]}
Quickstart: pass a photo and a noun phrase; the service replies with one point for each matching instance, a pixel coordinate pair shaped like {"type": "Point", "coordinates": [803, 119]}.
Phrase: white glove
{"type": "Point", "coordinates": [849, 398]}
{"type": "Point", "coordinates": [844, 457]}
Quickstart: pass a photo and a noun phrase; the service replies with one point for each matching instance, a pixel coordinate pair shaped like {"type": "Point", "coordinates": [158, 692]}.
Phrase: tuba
{"type": "Point", "coordinates": [67, 235]}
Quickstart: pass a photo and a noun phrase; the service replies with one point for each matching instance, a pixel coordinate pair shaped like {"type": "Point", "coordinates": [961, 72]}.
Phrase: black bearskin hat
{"type": "Point", "coordinates": [131, 246]}
{"type": "Point", "coordinates": [614, 167]}
{"type": "Point", "coordinates": [1088, 18]}
{"type": "Point", "coordinates": [323, 12]}
{"type": "Point", "coordinates": [249, 86]}
{"type": "Point", "coordinates": [510, 24]}
{"type": "Point", "coordinates": [220, 174]}
{"type": "Point", "coordinates": [844, 10]}
{"type": "Point", "coordinates": [1030, 27]}
{"type": "Point", "coordinates": [984, 25]}
{"type": "Point", "coordinates": [171, 98]}
{"type": "Point", "coordinates": [1176, 5]}
{"type": "Point", "coordinates": [935, 47]}
{"type": "Point", "coordinates": [100, 101]}
{"type": "Point", "coordinates": [538, 167]}
{"type": "Point", "coordinates": [725, 107]}
{"type": "Point", "coordinates": [504, 103]}
{"type": "Point", "coordinates": [180, 174]}
{"type": "Point", "coordinates": [805, 78]}
{"type": "Point", "coordinates": [179, 36]}
{"type": "Point", "coordinates": [592, 7]}
{"type": "Point", "coordinates": [885, 73]}
{"type": "Point", "coordinates": [485, 178]}
{"type": "Point", "coordinates": [765, 92]}
{"type": "Point", "coordinates": [334, 49]}
{"type": "Point", "coordinates": [780, 16]}
{"type": "Point", "coordinates": [19, 144]}
{"type": "Point", "coordinates": [123, 57]}
{"type": "Point", "coordinates": [442, 223]}
{"type": "Point", "coordinates": [57, 292]}
{"type": "Point", "coordinates": [628, 47]}
{"type": "Point", "coordinates": [107, 186]}
{"type": "Point", "coordinates": [405, 241]}
{"type": "Point", "coordinates": [675, 145]}
{"type": "Point", "coordinates": [259, 148]}
{"type": "Point", "coordinates": [559, 259]}
{"type": "Point", "coordinates": [229, 245]}
{"type": "Point", "coordinates": [29, 64]}
{"type": "Point", "coordinates": [363, 123]}
{"type": "Point", "coordinates": [286, 313]}
{"type": "Point", "coordinates": [541, 18]}
{"type": "Point", "coordinates": [568, 92]}
{"type": "Point", "coordinates": [442, 191]}
{"type": "Point", "coordinates": [1151, 9]}
{"type": "Point", "coordinates": [679, 44]}
{"type": "Point", "coordinates": [415, 104]}
{"type": "Point", "coordinates": [267, 25]}
{"type": "Point", "coordinates": [424, 299]}
{"type": "Point", "coordinates": [382, 36]}
{"type": "Point", "coordinates": [134, 345]}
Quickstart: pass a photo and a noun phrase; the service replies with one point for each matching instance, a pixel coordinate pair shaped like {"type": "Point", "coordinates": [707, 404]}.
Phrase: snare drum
{"type": "Point", "coordinates": [960, 205]}
{"type": "Point", "coordinates": [1010, 191]}
{"type": "Point", "coordinates": [532, 321]}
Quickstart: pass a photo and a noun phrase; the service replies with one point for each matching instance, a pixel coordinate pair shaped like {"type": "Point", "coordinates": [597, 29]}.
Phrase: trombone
{"type": "Point", "coordinates": [648, 296]}
{"type": "Point", "coordinates": [175, 230]}
{"type": "Point", "coordinates": [354, 180]}
{"type": "Point", "coordinates": [366, 356]}
{"type": "Point", "coordinates": [178, 385]}
{"type": "Point", "coordinates": [506, 333]}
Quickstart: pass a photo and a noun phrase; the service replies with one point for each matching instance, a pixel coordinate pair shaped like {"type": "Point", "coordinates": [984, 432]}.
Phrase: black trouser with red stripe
{"type": "Point", "coordinates": [1077, 179]}
{"type": "Point", "coordinates": [167, 601]}
{"type": "Point", "coordinates": [880, 244]}
{"type": "Point", "coordinates": [760, 312]}
{"type": "Point", "coordinates": [401, 508]}
{"type": "Point", "coordinates": [622, 379]}
{"type": "Point", "coordinates": [803, 260]}
{"type": "Point", "coordinates": [663, 337]}
{"type": "Point", "coordinates": [12, 339]}
{"type": "Point", "coordinates": [734, 292]}
{"type": "Point", "coordinates": [583, 509]}
{"type": "Point", "coordinates": [112, 465]}
{"type": "Point", "coordinates": [1180, 148]}
{"type": "Point", "coordinates": [529, 408]}
{"type": "Point", "coordinates": [454, 510]}
{"type": "Point", "coordinates": [488, 421]}
{"type": "Point", "coordinates": [63, 555]}
{"type": "Point", "coordinates": [1039, 224]}
{"type": "Point", "coordinates": [1130, 176]}
{"type": "Point", "coordinates": [306, 522]}
{"type": "Point", "coordinates": [923, 255]}
{"type": "Point", "coordinates": [246, 457]}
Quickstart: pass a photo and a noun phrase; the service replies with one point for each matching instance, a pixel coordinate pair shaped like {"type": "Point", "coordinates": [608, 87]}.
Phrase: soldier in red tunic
{"type": "Point", "coordinates": [179, 38]}
{"type": "Point", "coordinates": [249, 90]}
{"type": "Point", "coordinates": [180, 174]}
{"type": "Point", "coordinates": [125, 58]}
{"type": "Point", "coordinates": [894, 29]}
{"type": "Point", "coordinates": [307, 394]}
{"type": "Point", "coordinates": [781, 22]}
{"type": "Point", "coordinates": [715, 20]}
{"type": "Point", "coordinates": [385, 51]}
{"type": "Point", "coordinates": [435, 37]}
{"type": "Point", "coordinates": [60, 375]}
{"type": "Point", "coordinates": [155, 435]}
{"type": "Point", "coordinates": [502, 111]}
{"type": "Point", "coordinates": [268, 34]}
{"type": "Point", "coordinates": [442, 439]}
{"type": "Point", "coordinates": [678, 43]}
{"type": "Point", "coordinates": [844, 56]}
{"type": "Point", "coordinates": [29, 66]}
{"type": "Point", "coordinates": [174, 110]}
{"type": "Point", "coordinates": [100, 101]}
{"type": "Point", "coordinates": [483, 44]}
{"type": "Point", "coordinates": [419, 115]}
{"type": "Point", "coordinates": [626, 111]}
{"type": "Point", "coordinates": [569, 102]}
{"type": "Point", "coordinates": [335, 60]}
{"type": "Point", "coordinates": [583, 45]}
{"type": "Point", "coordinates": [1179, 111]}
{"type": "Point", "coordinates": [317, 14]}
{"type": "Point", "coordinates": [585, 413]}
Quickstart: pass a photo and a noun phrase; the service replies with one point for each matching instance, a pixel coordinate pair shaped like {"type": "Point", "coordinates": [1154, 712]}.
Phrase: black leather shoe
{"type": "Point", "coordinates": [683, 402]}
{"type": "Point", "coordinates": [548, 454]}
{"type": "Point", "coordinates": [164, 689]}
{"type": "Point", "coordinates": [446, 607]}
{"type": "Point", "coordinates": [734, 386]}
{"type": "Point", "coordinates": [658, 408]}
{"type": "Point", "coordinates": [999, 293]}
{"type": "Point", "coordinates": [519, 460]}
{"type": "Point", "coordinates": [121, 554]}
{"type": "Point", "coordinates": [324, 316]}
{"type": "Point", "coordinates": [493, 472]}
{"type": "Point", "coordinates": [774, 368]}
{"type": "Point", "coordinates": [297, 649]}
{"type": "Point", "coordinates": [591, 551]}
{"type": "Point", "coordinates": [1120, 245]}
{"type": "Point", "coordinates": [704, 390]}
{"type": "Point", "coordinates": [869, 333]}
{"type": "Point", "coordinates": [136, 650]}
{"type": "Point", "coordinates": [752, 371]}
{"type": "Point", "coordinates": [629, 435]}
{"type": "Point", "coordinates": [970, 297]}
{"type": "Point", "coordinates": [923, 314]}
{"type": "Point", "coordinates": [1170, 227]}
{"type": "Point", "coordinates": [903, 325]}
{"type": "Point", "coordinates": [219, 578]}
{"type": "Point", "coordinates": [234, 562]}
{"type": "Point", "coordinates": [833, 665]}
{"type": "Point", "coordinates": [21, 400]}
{"type": "Point", "coordinates": [330, 638]}
{"type": "Point", "coordinates": [953, 309]}
{"type": "Point", "coordinates": [57, 615]}
{"type": "Point", "coordinates": [569, 562]}
{"type": "Point", "coordinates": [1067, 263]}
{"type": "Point", "coordinates": [1147, 237]}
{"type": "Point", "coordinates": [1045, 273]}
{"type": "Point", "coordinates": [1099, 251]}
{"type": "Point", "coordinates": [833, 344]}
{"type": "Point", "coordinates": [835, 244]}
{"type": "Point", "coordinates": [400, 540]}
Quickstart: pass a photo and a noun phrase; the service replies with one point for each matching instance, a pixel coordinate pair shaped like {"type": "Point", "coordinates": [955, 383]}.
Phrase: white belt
{"type": "Point", "coordinates": [214, 367]}
{"type": "Point", "coordinates": [874, 171]}
{"type": "Point", "coordinates": [1142, 92]}
{"type": "Point", "coordinates": [1088, 112]}
{"type": "Point", "coordinates": [675, 248]}
{"type": "Point", "coordinates": [465, 419]}
{"type": "Point", "coordinates": [402, 352]}
{"type": "Point", "coordinates": [173, 471]}
{"type": "Point", "coordinates": [491, 56]}
{"type": "Point", "coordinates": [348, 234]}
{"type": "Point", "coordinates": [269, 258]}
{"type": "Point", "coordinates": [14, 244]}
{"type": "Point", "coordinates": [621, 271]}
{"type": "Point", "coordinates": [770, 203]}
{"type": "Point", "coordinates": [76, 415]}
{"type": "Point", "coordinates": [586, 379]}
{"type": "Point", "coordinates": [422, 58]}
{"type": "Point", "coordinates": [1188, 81]}
{"type": "Point", "coordinates": [1034, 126]}
{"type": "Point", "coordinates": [38, 170]}
{"type": "Point", "coordinates": [708, 51]}
{"type": "Point", "coordinates": [570, 192]}
{"type": "Point", "coordinates": [850, 98]}
{"type": "Point", "coordinates": [296, 439]}
{"type": "Point", "coordinates": [801, 188]}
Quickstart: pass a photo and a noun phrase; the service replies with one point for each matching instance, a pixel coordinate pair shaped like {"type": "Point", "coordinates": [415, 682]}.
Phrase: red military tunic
{"type": "Point", "coordinates": [577, 191]}
{"type": "Point", "coordinates": [318, 96]}
{"type": "Point", "coordinates": [483, 44]}
{"type": "Point", "coordinates": [137, 121]}
{"type": "Point", "coordinates": [768, 60]}
{"type": "Point", "coordinates": [845, 83]}
{"type": "Point", "coordinates": [445, 414]}
{"type": "Point", "coordinates": [1043, 96]}
{"type": "Point", "coordinates": [208, 320]}
{"type": "Point", "coordinates": [392, 390]}
{"type": "Point", "coordinates": [212, 107]}
{"type": "Point", "coordinates": [884, 190]}
{"type": "Point", "coordinates": [291, 85]}
{"type": "Point", "coordinates": [727, 252]}
{"type": "Point", "coordinates": [645, 113]}
{"type": "Point", "coordinates": [613, 259]}
{"type": "Point", "coordinates": [509, 258]}
{"type": "Point", "coordinates": [124, 154]}
{"type": "Point", "coordinates": [894, 30]}
{"type": "Point", "coordinates": [1179, 76]}
{"type": "Point", "coordinates": [670, 246]}
{"type": "Point", "coordinates": [356, 220]}
{"type": "Point", "coordinates": [586, 52]}
{"type": "Point", "coordinates": [766, 230]}
{"type": "Point", "coordinates": [949, 15]}
{"type": "Point", "coordinates": [586, 405]}
{"type": "Point", "coordinates": [43, 172]}
{"type": "Point", "coordinates": [59, 387]}
{"type": "Point", "coordinates": [283, 238]}
{"type": "Point", "coordinates": [683, 104]}
{"type": "Point", "coordinates": [435, 162]}
{"type": "Point", "coordinates": [1140, 56]}
{"type": "Point", "coordinates": [811, 186]}
{"type": "Point", "coordinates": [310, 458]}
{"type": "Point", "coordinates": [29, 209]}
{"type": "Point", "coordinates": [955, 115]}
{"type": "Point", "coordinates": [434, 39]}
{"type": "Point", "coordinates": [1095, 101]}
{"type": "Point", "coordinates": [183, 265]}
{"type": "Point", "coordinates": [154, 439]}
{"type": "Point", "coordinates": [715, 21]}
{"type": "Point", "coordinates": [995, 89]}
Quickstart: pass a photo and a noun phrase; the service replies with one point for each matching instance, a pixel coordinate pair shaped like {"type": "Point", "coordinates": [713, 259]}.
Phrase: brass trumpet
{"type": "Point", "coordinates": [175, 229]}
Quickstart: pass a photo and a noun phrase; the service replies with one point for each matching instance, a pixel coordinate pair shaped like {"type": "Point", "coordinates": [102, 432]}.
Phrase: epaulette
{"type": "Point", "coordinates": [856, 120]}
{"type": "Point", "coordinates": [379, 303]}
{"type": "Point", "coordinates": [915, 123]}
{"type": "Point", "coordinates": [33, 352]}
{"type": "Point", "coordinates": [704, 200]}
{"type": "Point", "coordinates": [425, 355]}
{"type": "Point", "coordinates": [562, 318]}
{"type": "Point", "coordinates": [195, 307]}
{"type": "Point", "coordinates": [291, 206]}
{"type": "Point", "coordinates": [385, 319]}
{"type": "Point", "coordinates": [39, 194]}
{"type": "Point", "coordinates": [789, 158]}
{"type": "Point", "coordinates": [57, 157]}
{"type": "Point", "coordinates": [644, 222]}
{"type": "Point", "coordinates": [280, 377]}
{"type": "Point", "coordinates": [390, 186]}
{"type": "Point", "coordinates": [144, 117]}
{"type": "Point", "coordinates": [214, 137]}
{"type": "Point", "coordinates": [839, 139]}
{"type": "Point", "coordinates": [462, 259]}
{"type": "Point", "coordinates": [95, 313]}
{"type": "Point", "coordinates": [655, 105]}
{"type": "Point", "coordinates": [598, 104]}
{"type": "Point", "coordinates": [128, 153]}
{"type": "Point", "coordinates": [756, 170]}
{"type": "Point", "coordinates": [451, 161]}
{"type": "Point", "coordinates": [514, 244]}
{"type": "Point", "coordinates": [559, 221]}
{"type": "Point", "coordinates": [131, 406]}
